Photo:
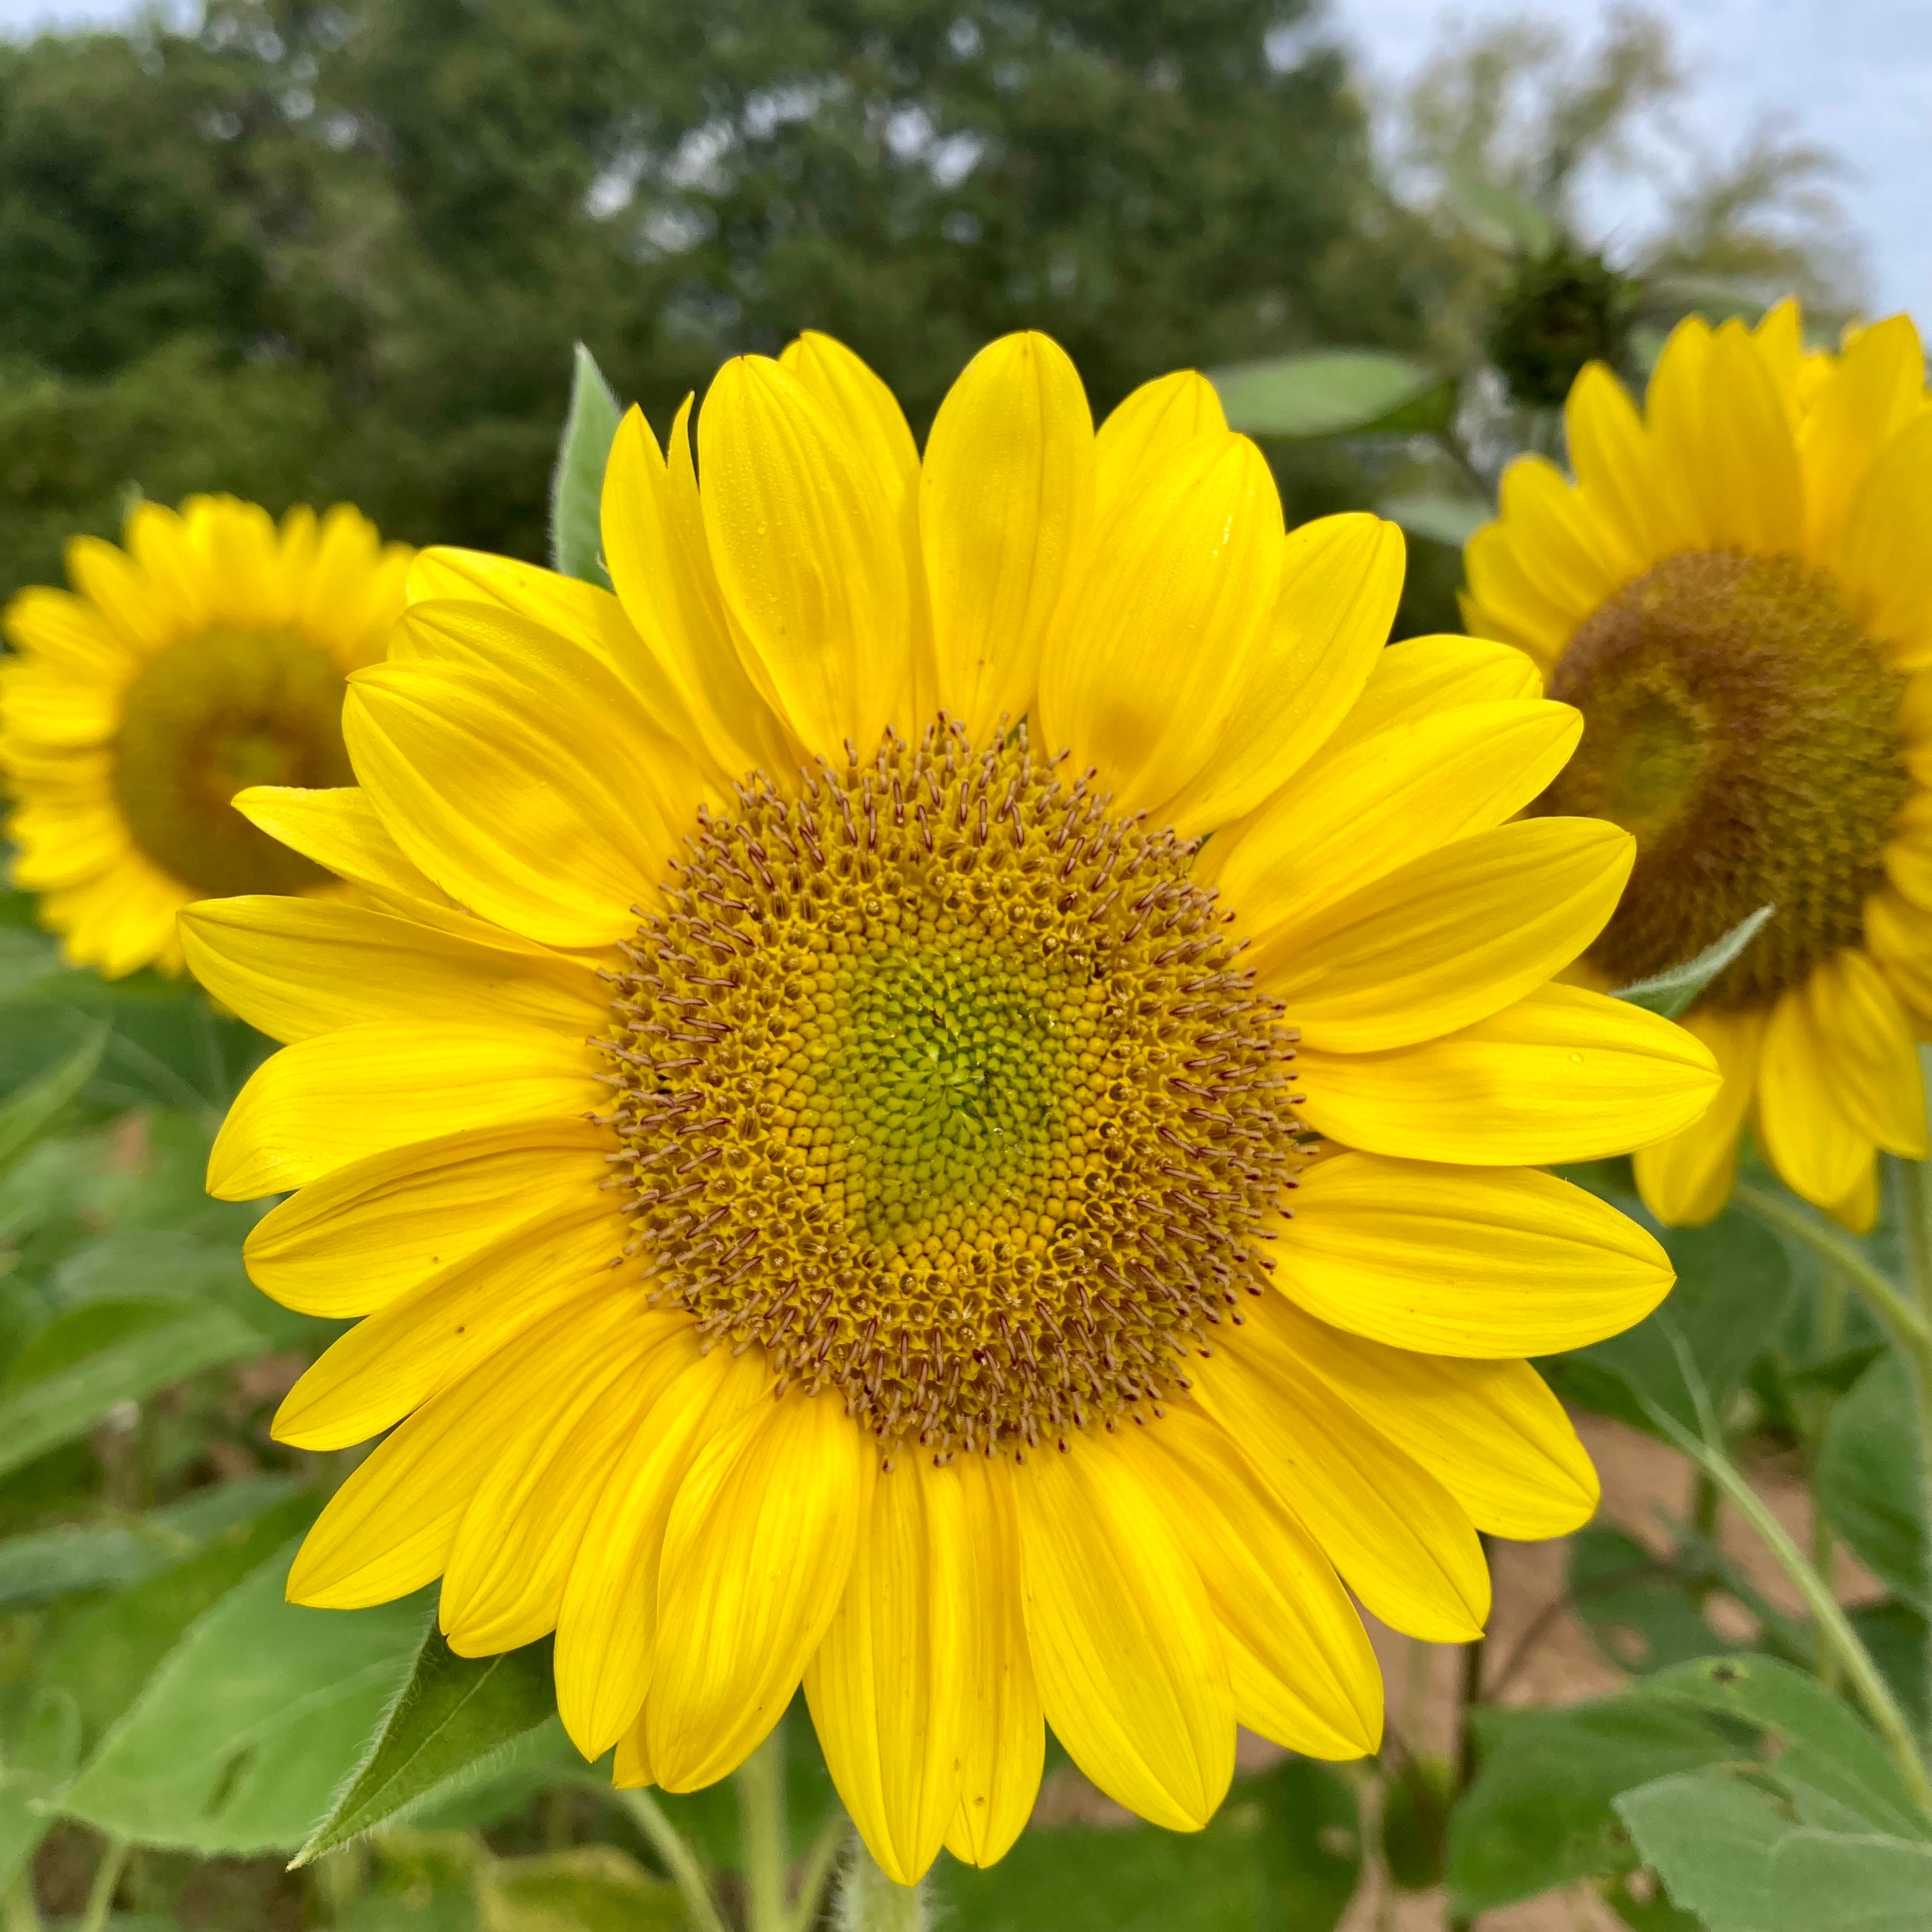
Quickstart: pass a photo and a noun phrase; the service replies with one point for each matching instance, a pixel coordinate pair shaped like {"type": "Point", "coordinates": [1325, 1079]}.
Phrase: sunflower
{"type": "Point", "coordinates": [812, 1154]}
{"type": "Point", "coordinates": [1736, 592]}
{"type": "Point", "coordinates": [206, 655]}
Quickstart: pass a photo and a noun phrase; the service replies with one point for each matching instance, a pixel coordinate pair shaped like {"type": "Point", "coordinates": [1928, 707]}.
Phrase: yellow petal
{"type": "Point", "coordinates": [323, 1103]}
{"type": "Point", "coordinates": [1873, 390]}
{"type": "Point", "coordinates": [1401, 1541]}
{"type": "Point", "coordinates": [1516, 608]}
{"type": "Point", "coordinates": [109, 580]}
{"type": "Point", "coordinates": [809, 557]}
{"type": "Point", "coordinates": [606, 1626]}
{"type": "Point", "coordinates": [1387, 800]}
{"type": "Point", "coordinates": [1005, 1734]}
{"type": "Point", "coordinates": [1573, 557]}
{"type": "Point", "coordinates": [295, 967]}
{"type": "Point", "coordinates": [401, 1355]}
{"type": "Point", "coordinates": [654, 546]}
{"type": "Point", "coordinates": [888, 1685]}
{"type": "Point", "coordinates": [1887, 570]}
{"type": "Point", "coordinates": [1299, 1660]}
{"type": "Point", "coordinates": [504, 1583]}
{"type": "Point", "coordinates": [1752, 491]}
{"type": "Point", "coordinates": [1341, 581]}
{"type": "Point", "coordinates": [339, 829]}
{"type": "Point", "coordinates": [1491, 1432]}
{"type": "Point", "coordinates": [1157, 419]}
{"type": "Point", "coordinates": [352, 1242]}
{"type": "Point", "coordinates": [1456, 1261]}
{"type": "Point", "coordinates": [1564, 1074]}
{"type": "Point", "coordinates": [388, 1530]}
{"type": "Point", "coordinates": [61, 843]}
{"type": "Point", "coordinates": [1685, 1180]}
{"type": "Point", "coordinates": [1133, 1675]}
{"type": "Point", "coordinates": [1449, 938]}
{"type": "Point", "coordinates": [1412, 681]}
{"type": "Point", "coordinates": [630, 1766]}
{"type": "Point", "coordinates": [1147, 666]}
{"type": "Point", "coordinates": [756, 1556]}
{"type": "Point", "coordinates": [1899, 934]}
{"type": "Point", "coordinates": [1806, 1135]}
{"type": "Point", "coordinates": [1611, 456]}
{"type": "Point", "coordinates": [1005, 517]}
{"type": "Point", "coordinates": [1870, 1051]}
{"type": "Point", "coordinates": [68, 634]}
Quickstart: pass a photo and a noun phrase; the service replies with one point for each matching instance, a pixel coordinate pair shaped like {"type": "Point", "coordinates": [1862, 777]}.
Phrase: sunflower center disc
{"type": "Point", "coordinates": [1745, 731]}
{"type": "Point", "coordinates": [942, 1085]}
{"type": "Point", "coordinates": [207, 717]}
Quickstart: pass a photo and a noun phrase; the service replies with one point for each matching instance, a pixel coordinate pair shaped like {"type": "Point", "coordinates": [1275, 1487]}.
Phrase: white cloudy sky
{"type": "Point", "coordinates": [1855, 75]}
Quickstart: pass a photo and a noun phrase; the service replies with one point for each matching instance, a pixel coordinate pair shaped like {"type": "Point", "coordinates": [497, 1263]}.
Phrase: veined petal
{"type": "Point", "coordinates": [295, 967]}
{"type": "Point", "coordinates": [1401, 1541]}
{"type": "Point", "coordinates": [1299, 1660]}
{"type": "Point", "coordinates": [352, 1241]}
{"type": "Point", "coordinates": [323, 1103]}
{"type": "Point", "coordinates": [1807, 1136]}
{"type": "Point", "coordinates": [1872, 1058]}
{"type": "Point", "coordinates": [607, 1624]}
{"type": "Point", "coordinates": [1476, 1262]}
{"type": "Point", "coordinates": [888, 1685]}
{"type": "Point", "coordinates": [1387, 800]}
{"type": "Point", "coordinates": [756, 1555]}
{"type": "Point", "coordinates": [1685, 1180]}
{"type": "Point", "coordinates": [1564, 1074]}
{"type": "Point", "coordinates": [1490, 1431]}
{"type": "Point", "coordinates": [1449, 938]}
{"type": "Point", "coordinates": [1341, 581]}
{"type": "Point", "coordinates": [1414, 680]}
{"type": "Point", "coordinates": [1147, 664]}
{"type": "Point", "coordinates": [809, 557]}
{"type": "Point", "coordinates": [1004, 1745]}
{"type": "Point", "coordinates": [1006, 518]}
{"type": "Point", "coordinates": [504, 1583]}
{"type": "Point", "coordinates": [398, 1357]}
{"type": "Point", "coordinates": [1157, 419]}
{"type": "Point", "coordinates": [1133, 1675]}
{"type": "Point", "coordinates": [340, 830]}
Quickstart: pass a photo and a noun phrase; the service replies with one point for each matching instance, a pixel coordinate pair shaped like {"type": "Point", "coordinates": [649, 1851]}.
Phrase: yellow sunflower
{"type": "Point", "coordinates": [1736, 592]}
{"type": "Point", "coordinates": [206, 655]}
{"type": "Point", "coordinates": [813, 1158]}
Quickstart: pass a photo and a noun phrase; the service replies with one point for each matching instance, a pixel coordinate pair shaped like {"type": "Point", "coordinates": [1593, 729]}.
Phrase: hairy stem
{"type": "Point", "coordinates": [762, 1834]}
{"type": "Point", "coordinates": [868, 1901]}
{"type": "Point", "coordinates": [815, 1875]}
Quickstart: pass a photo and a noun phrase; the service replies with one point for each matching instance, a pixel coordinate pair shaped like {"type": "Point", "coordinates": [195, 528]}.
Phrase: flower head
{"type": "Point", "coordinates": [1736, 592]}
{"type": "Point", "coordinates": [810, 1127]}
{"type": "Point", "coordinates": [206, 655]}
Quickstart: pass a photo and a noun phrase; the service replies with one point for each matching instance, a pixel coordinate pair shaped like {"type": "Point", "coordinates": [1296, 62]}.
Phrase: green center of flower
{"type": "Point", "coordinates": [206, 718]}
{"type": "Point", "coordinates": [942, 1084]}
{"type": "Point", "coordinates": [1744, 729]}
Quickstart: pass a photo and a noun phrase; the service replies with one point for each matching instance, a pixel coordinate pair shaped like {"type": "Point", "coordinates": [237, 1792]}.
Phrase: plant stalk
{"type": "Point", "coordinates": [1906, 1321]}
{"type": "Point", "coordinates": [679, 1860]}
{"type": "Point", "coordinates": [762, 1835]}
{"type": "Point", "coordinates": [1915, 1191]}
{"type": "Point", "coordinates": [106, 1883]}
{"type": "Point", "coordinates": [868, 1901]}
{"type": "Point", "coordinates": [816, 1874]}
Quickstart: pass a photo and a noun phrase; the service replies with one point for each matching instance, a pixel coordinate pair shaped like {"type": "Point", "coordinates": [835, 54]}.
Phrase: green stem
{"type": "Point", "coordinates": [1914, 1190]}
{"type": "Point", "coordinates": [760, 1781]}
{"type": "Point", "coordinates": [1909, 1325]}
{"type": "Point", "coordinates": [868, 1901]}
{"type": "Point", "coordinates": [679, 1860]}
{"type": "Point", "coordinates": [1824, 1542]}
{"type": "Point", "coordinates": [1835, 1631]}
{"type": "Point", "coordinates": [106, 1883]}
{"type": "Point", "coordinates": [816, 1873]}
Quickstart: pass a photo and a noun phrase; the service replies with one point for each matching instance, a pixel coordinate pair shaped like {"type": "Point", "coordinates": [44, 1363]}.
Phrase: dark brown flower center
{"type": "Point", "coordinates": [1740, 724]}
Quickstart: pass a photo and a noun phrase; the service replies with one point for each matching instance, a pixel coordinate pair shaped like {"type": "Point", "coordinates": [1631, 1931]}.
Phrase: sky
{"type": "Point", "coordinates": [1853, 75]}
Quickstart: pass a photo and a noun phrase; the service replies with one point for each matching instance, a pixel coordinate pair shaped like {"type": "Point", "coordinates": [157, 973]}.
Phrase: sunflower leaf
{"type": "Point", "coordinates": [1669, 993]}
{"type": "Point", "coordinates": [28, 1114]}
{"type": "Point", "coordinates": [577, 486]}
{"type": "Point", "coordinates": [454, 1721]}
{"type": "Point", "coordinates": [1334, 392]}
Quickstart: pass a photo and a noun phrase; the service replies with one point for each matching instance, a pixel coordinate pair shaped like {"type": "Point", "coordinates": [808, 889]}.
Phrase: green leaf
{"type": "Point", "coordinates": [58, 1562]}
{"type": "Point", "coordinates": [242, 1737]}
{"type": "Point", "coordinates": [1669, 993]}
{"type": "Point", "coordinates": [1821, 1743]}
{"type": "Point", "coordinates": [1642, 1612]}
{"type": "Point", "coordinates": [173, 1343]}
{"type": "Point", "coordinates": [1311, 1845]}
{"type": "Point", "coordinates": [28, 1114]}
{"type": "Point", "coordinates": [1868, 1480]}
{"type": "Point", "coordinates": [1441, 517]}
{"type": "Point", "coordinates": [1539, 1814]}
{"type": "Point", "coordinates": [1416, 1805]}
{"type": "Point", "coordinates": [1334, 392]}
{"type": "Point", "coordinates": [1726, 1851]}
{"type": "Point", "coordinates": [588, 1888]}
{"type": "Point", "coordinates": [1498, 216]}
{"type": "Point", "coordinates": [452, 1720]}
{"type": "Point", "coordinates": [32, 1765]}
{"type": "Point", "coordinates": [577, 486]}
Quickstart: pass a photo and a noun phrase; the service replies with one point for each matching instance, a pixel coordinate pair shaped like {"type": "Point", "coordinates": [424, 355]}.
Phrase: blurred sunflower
{"type": "Point", "coordinates": [206, 655]}
{"type": "Point", "coordinates": [813, 1164]}
{"type": "Point", "coordinates": [1736, 591]}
